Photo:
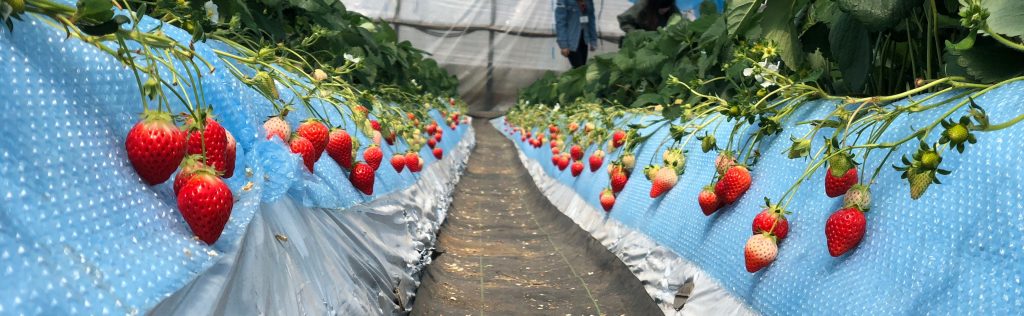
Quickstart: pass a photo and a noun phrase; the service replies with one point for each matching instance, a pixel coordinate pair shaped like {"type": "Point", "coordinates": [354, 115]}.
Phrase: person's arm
{"type": "Point", "coordinates": [561, 25]}
{"type": "Point", "coordinates": [592, 38]}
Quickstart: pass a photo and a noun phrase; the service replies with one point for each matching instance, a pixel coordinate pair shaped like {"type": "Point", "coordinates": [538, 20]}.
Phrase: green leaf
{"type": "Point", "coordinates": [989, 61]}
{"type": "Point", "coordinates": [648, 98]}
{"type": "Point", "coordinates": [851, 48]}
{"type": "Point", "coordinates": [93, 12]}
{"type": "Point", "coordinates": [878, 15]}
{"type": "Point", "coordinates": [740, 14]}
{"type": "Point", "coordinates": [1005, 16]}
{"type": "Point", "coordinates": [778, 28]}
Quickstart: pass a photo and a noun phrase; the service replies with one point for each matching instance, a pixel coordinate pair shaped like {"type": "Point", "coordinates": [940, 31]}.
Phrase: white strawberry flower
{"type": "Point", "coordinates": [211, 11]}
{"type": "Point", "coordinates": [756, 72]}
{"type": "Point", "coordinates": [355, 60]}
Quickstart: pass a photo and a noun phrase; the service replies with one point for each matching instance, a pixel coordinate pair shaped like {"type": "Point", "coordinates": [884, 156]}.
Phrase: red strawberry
{"type": "Point", "coordinates": [302, 146]}
{"type": "Point", "coordinates": [432, 128]}
{"type": "Point", "coordinates": [317, 133]}
{"type": "Point", "coordinates": [373, 156]}
{"type": "Point", "coordinates": [573, 127]}
{"type": "Point", "coordinates": [836, 185]}
{"type": "Point", "coordinates": [596, 159]}
{"type": "Point", "coordinates": [277, 126]}
{"type": "Point", "coordinates": [391, 138]}
{"type": "Point", "coordinates": [555, 158]}
{"type": "Point", "coordinates": [438, 153]}
{"type": "Point", "coordinates": [618, 138]}
{"type": "Point", "coordinates": [205, 202]}
{"type": "Point", "coordinates": [339, 147]}
{"type": "Point", "coordinates": [362, 178]}
{"type": "Point", "coordinates": [554, 150]}
{"type": "Point", "coordinates": [576, 151]}
{"type": "Point", "coordinates": [844, 230]}
{"type": "Point", "coordinates": [229, 154]}
{"type": "Point", "coordinates": [553, 129]}
{"type": "Point", "coordinates": [733, 184]}
{"type": "Point", "coordinates": [619, 180]}
{"type": "Point", "coordinates": [155, 147]}
{"type": "Point", "coordinates": [413, 161]}
{"type": "Point", "coordinates": [453, 126]}
{"type": "Point", "coordinates": [772, 216]}
{"type": "Point", "coordinates": [563, 161]}
{"type": "Point", "coordinates": [189, 165]}
{"type": "Point", "coordinates": [375, 125]}
{"type": "Point", "coordinates": [431, 143]}
{"type": "Point", "coordinates": [708, 200]}
{"type": "Point", "coordinates": [663, 181]}
{"type": "Point", "coordinates": [398, 162]}
{"type": "Point", "coordinates": [216, 144]}
{"type": "Point", "coordinates": [577, 168]}
{"type": "Point", "coordinates": [607, 200]}
{"type": "Point", "coordinates": [760, 251]}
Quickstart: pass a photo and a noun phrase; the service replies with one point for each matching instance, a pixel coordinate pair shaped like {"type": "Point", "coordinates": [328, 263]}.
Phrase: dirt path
{"type": "Point", "coordinates": [505, 250]}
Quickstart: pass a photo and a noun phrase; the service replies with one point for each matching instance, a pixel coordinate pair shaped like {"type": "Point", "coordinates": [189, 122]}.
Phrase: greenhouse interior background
{"type": "Point", "coordinates": [504, 157]}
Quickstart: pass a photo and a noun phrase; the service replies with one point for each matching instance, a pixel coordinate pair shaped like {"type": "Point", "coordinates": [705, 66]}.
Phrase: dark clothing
{"type": "Point", "coordinates": [644, 15]}
{"type": "Point", "coordinates": [578, 58]}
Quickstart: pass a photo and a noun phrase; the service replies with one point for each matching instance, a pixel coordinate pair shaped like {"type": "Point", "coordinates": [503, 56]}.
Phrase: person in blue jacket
{"type": "Point", "coordinates": [575, 29]}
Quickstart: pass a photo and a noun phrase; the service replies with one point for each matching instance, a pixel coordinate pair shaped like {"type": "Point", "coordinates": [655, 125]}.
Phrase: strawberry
{"type": "Point", "coordinates": [858, 196]}
{"type": "Point", "coordinates": [674, 158]}
{"type": "Point", "coordinates": [563, 161]}
{"type": "Point", "coordinates": [628, 162]}
{"type": "Point", "coordinates": [189, 165]}
{"type": "Point", "coordinates": [838, 184]}
{"type": "Point", "coordinates": [618, 138]}
{"type": "Point", "coordinates": [302, 146]}
{"type": "Point", "coordinates": [733, 184]}
{"type": "Point", "coordinates": [362, 178]}
{"type": "Point", "coordinates": [619, 180]}
{"type": "Point", "coordinates": [588, 127]}
{"type": "Point", "coordinates": [213, 139]}
{"type": "Point", "coordinates": [554, 150]}
{"type": "Point", "coordinates": [607, 200]}
{"type": "Point", "coordinates": [229, 154]}
{"type": "Point", "coordinates": [708, 200]}
{"type": "Point", "coordinates": [376, 138]}
{"type": "Point", "coordinates": [438, 153]}
{"type": "Point", "coordinates": [553, 129]}
{"type": "Point", "coordinates": [577, 168]}
{"type": "Point", "coordinates": [555, 158]}
{"type": "Point", "coordinates": [391, 138]}
{"type": "Point", "coordinates": [453, 126]}
{"type": "Point", "coordinates": [277, 126]}
{"type": "Point", "coordinates": [373, 156]}
{"type": "Point", "coordinates": [375, 125]}
{"type": "Point", "coordinates": [724, 161]}
{"type": "Point", "coordinates": [155, 147]}
{"type": "Point", "coordinates": [576, 151]}
{"type": "Point", "coordinates": [844, 230]}
{"type": "Point", "coordinates": [360, 113]}
{"type": "Point", "coordinates": [339, 147]}
{"type": "Point", "coordinates": [772, 216]}
{"type": "Point", "coordinates": [650, 171]}
{"type": "Point", "coordinates": [664, 180]}
{"type": "Point", "coordinates": [573, 127]}
{"type": "Point", "coordinates": [413, 161]}
{"type": "Point", "coordinates": [760, 251]}
{"type": "Point", "coordinates": [431, 143]}
{"type": "Point", "coordinates": [433, 128]}
{"type": "Point", "coordinates": [398, 162]}
{"type": "Point", "coordinates": [316, 132]}
{"type": "Point", "coordinates": [596, 159]}
{"type": "Point", "coordinates": [205, 202]}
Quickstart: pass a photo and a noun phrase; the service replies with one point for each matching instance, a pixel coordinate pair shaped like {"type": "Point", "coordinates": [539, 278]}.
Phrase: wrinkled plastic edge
{"type": "Point", "coordinates": [660, 269]}
{"type": "Point", "coordinates": [362, 260]}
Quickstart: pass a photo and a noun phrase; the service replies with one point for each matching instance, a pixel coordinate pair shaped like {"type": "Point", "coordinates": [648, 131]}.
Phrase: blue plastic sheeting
{"type": "Point", "coordinates": [79, 232]}
{"type": "Point", "coordinates": [957, 250]}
